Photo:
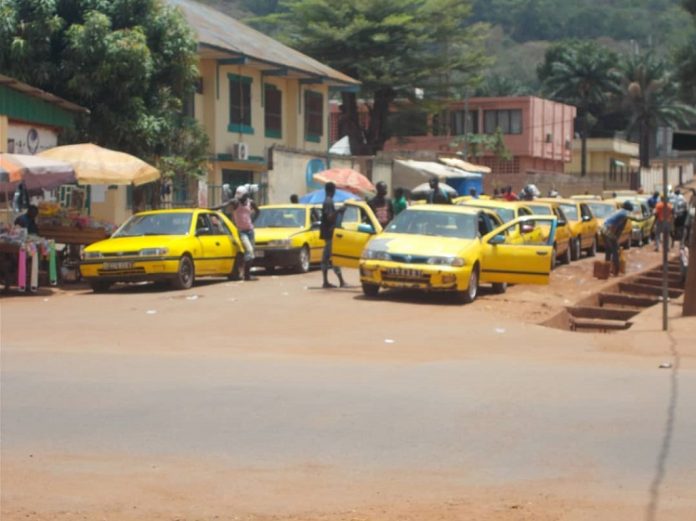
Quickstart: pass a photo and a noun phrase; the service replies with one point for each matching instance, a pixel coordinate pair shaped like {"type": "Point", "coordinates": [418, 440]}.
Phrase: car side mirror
{"type": "Point", "coordinates": [202, 231]}
{"type": "Point", "coordinates": [316, 225]}
{"type": "Point", "coordinates": [561, 222]}
{"type": "Point", "coordinates": [527, 228]}
{"type": "Point", "coordinates": [366, 228]}
{"type": "Point", "coordinates": [497, 239]}
{"type": "Point", "coordinates": [586, 218]}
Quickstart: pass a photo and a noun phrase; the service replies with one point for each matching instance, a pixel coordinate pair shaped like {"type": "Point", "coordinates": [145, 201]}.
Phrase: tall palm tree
{"type": "Point", "coordinates": [582, 74]}
{"type": "Point", "coordinates": [650, 96]}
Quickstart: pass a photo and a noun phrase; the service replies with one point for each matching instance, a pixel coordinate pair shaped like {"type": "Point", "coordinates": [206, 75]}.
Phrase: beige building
{"type": "Point", "coordinates": [612, 158]}
{"type": "Point", "coordinates": [255, 94]}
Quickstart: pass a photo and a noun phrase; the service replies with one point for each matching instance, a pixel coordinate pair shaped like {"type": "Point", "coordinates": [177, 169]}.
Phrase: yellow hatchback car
{"type": "Point", "coordinates": [583, 225]}
{"type": "Point", "coordinates": [507, 211]}
{"type": "Point", "coordinates": [603, 209]}
{"type": "Point", "coordinates": [171, 245]}
{"type": "Point", "coordinates": [288, 236]}
{"type": "Point", "coordinates": [443, 248]}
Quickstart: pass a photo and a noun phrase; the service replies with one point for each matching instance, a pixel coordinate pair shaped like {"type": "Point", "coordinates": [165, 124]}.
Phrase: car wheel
{"type": "Point", "coordinates": [592, 250]}
{"type": "Point", "coordinates": [646, 239]}
{"type": "Point", "coordinates": [100, 286]}
{"type": "Point", "coordinates": [575, 249]}
{"type": "Point", "coordinates": [566, 255]}
{"type": "Point", "coordinates": [185, 275]}
{"type": "Point", "coordinates": [500, 287]}
{"type": "Point", "coordinates": [235, 274]}
{"type": "Point", "coordinates": [370, 290]}
{"type": "Point", "coordinates": [469, 295]}
{"type": "Point", "coordinates": [302, 265]}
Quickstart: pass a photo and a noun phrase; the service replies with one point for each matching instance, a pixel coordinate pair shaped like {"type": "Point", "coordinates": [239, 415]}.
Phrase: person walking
{"type": "Point", "coordinates": [329, 216]}
{"type": "Point", "coordinates": [681, 211]}
{"type": "Point", "coordinates": [243, 210]}
{"type": "Point", "coordinates": [381, 205]}
{"type": "Point", "coordinates": [611, 233]}
{"type": "Point", "coordinates": [400, 203]}
{"type": "Point", "coordinates": [437, 195]}
{"type": "Point", "coordinates": [663, 223]}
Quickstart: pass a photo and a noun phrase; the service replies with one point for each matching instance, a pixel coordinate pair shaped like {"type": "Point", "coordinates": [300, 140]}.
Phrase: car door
{"type": "Point", "coordinates": [528, 262]}
{"type": "Point", "coordinates": [316, 244]}
{"type": "Point", "coordinates": [589, 225]}
{"type": "Point", "coordinates": [221, 245]}
{"type": "Point", "coordinates": [350, 237]}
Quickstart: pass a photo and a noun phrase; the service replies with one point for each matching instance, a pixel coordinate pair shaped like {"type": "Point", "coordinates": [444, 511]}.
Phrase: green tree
{"type": "Point", "coordinates": [392, 47]}
{"type": "Point", "coordinates": [650, 96]}
{"type": "Point", "coordinates": [581, 74]}
{"type": "Point", "coordinates": [685, 59]}
{"type": "Point", "coordinates": [132, 63]}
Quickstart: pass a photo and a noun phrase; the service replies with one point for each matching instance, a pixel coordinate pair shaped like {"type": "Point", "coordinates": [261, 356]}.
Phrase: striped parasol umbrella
{"type": "Point", "coordinates": [346, 179]}
{"type": "Point", "coordinates": [35, 172]}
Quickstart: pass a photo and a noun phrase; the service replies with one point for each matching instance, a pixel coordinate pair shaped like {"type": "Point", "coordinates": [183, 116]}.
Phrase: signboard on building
{"type": "Point", "coordinates": [30, 139]}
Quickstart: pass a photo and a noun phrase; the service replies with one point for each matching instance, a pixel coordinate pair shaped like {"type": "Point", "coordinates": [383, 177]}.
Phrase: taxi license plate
{"type": "Point", "coordinates": [406, 273]}
{"type": "Point", "coordinates": [118, 265]}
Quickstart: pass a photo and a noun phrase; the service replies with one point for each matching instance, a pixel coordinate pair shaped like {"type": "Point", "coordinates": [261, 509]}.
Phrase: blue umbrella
{"type": "Point", "coordinates": [318, 196]}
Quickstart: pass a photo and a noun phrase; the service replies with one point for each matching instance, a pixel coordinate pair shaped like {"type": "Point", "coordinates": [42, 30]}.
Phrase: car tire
{"type": "Point", "coordinates": [236, 274]}
{"type": "Point", "coordinates": [370, 290]}
{"type": "Point", "coordinates": [303, 263]}
{"type": "Point", "coordinates": [469, 294]}
{"type": "Point", "coordinates": [100, 286]}
{"type": "Point", "coordinates": [575, 249]}
{"type": "Point", "coordinates": [566, 255]}
{"type": "Point", "coordinates": [592, 250]}
{"type": "Point", "coordinates": [185, 275]}
{"type": "Point", "coordinates": [646, 239]}
{"type": "Point", "coordinates": [499, 287]}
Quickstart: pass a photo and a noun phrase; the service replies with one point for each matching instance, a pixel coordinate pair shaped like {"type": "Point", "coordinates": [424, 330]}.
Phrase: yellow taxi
{"type": "Point", "coordinates": [451, 248]}
{"type": "Point", "coordinates": [583, 225]}
{"type": "Point", "coordinates": [507, 211]}
{"type": "Point", "coordinates": [288, 236]}
{"type": "Point", "coordinates": [561, 246]}
{"type": "Point", "coordinates": [641, 231]}
{"type": "Point", "coordinates": [603, 209]}
{"type": "Point", "coordinates": [172, 245]}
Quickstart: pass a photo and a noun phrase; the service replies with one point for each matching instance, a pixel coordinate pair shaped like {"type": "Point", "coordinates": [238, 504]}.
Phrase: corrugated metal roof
{"type": "Point", "coordinates": [40, 94]}
{"type": "Point", "coordinates": [223, 32]}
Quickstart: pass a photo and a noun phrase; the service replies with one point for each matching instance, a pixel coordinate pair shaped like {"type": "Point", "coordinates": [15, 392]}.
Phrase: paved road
{"type": "Point", "coordinates": [338, 420]}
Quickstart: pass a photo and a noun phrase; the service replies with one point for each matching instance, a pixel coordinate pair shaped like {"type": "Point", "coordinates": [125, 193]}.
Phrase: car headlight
{"type": "Point", "coordinates": [376, 255]}
{"type": "Point", "coordinates": [446, 261]}
{"type": "Point", "coordinates": [280, 243]}
{"type": "Point", "coordinates": [153, 252]}
{"type": "Point", "coordinates": [92, 255]}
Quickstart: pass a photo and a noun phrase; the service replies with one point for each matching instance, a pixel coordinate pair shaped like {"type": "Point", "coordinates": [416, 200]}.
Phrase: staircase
{"type": "Point", "coordinates": [615, 308]}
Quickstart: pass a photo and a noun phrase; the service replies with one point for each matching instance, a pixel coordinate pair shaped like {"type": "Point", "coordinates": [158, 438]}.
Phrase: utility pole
{"type": "Point", "coordinates": [465, 148]}
{"type": "Point", "coordinates": [666, 134]}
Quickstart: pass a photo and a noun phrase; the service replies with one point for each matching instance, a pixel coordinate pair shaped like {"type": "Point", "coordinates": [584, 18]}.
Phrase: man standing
{"type": "Point", "coordinates": [611, 232]}
{"type": "Point", "coordinates": [381, 205]}
{"type": "Point", "coordinates": [437, 195]}
{"type": "Point", "coordinates": [400, 202]}
{"type": "Point", "coordinates": [663, 223]}
{"type": "Point", "coordinates": [28, 220]}
{"type": "Point", "coordinates": [329, 216]}
{"type": "Point", "coordinates": [242, 213]}
{"type": "Point", "coordinates": [681, 211]}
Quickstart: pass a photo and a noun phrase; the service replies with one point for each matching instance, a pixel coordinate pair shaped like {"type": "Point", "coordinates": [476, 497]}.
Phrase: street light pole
{"type": "Point", "coordinates": [665, 236]}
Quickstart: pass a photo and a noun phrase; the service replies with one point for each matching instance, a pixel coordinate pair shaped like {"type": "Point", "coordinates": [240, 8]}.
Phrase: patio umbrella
{"type": "Point", "coordinates": [346, 179]}
{"type": "Point", "coordinates": [318, 196]}
{"type": "Point", "coordinates": [424, 189]}
{"type": "Point", "coordinates": [35, 172]}
{"type": "Point", "coordinates": [95, 165]}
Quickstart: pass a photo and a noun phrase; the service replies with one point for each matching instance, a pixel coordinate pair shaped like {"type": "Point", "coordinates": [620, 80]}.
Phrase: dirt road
{"type": "Point", "coordinates": [278, 400]}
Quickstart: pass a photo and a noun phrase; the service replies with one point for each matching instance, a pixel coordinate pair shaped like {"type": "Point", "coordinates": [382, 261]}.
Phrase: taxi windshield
{"type": "Point", "coordinates": [156, 224]}
{"type": "Point", "coordinates": [280, 218]}
{"type": "Point", "coordinates": [540, 209]}
{"type": "Point", "coordinates": [505, 214]}
{"type": "Point", "coordinates": [439, 224]}
{"type": "Point", "coordinates": [571, 211]}
{"type": "Point", "coordinates": [600, 210]}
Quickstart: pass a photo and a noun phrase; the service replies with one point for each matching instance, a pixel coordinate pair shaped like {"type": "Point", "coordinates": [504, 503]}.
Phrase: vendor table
{"type": "Point", "coordinates": [73, 234]}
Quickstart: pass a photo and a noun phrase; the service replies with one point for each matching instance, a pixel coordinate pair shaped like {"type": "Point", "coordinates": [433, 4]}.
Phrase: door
{"type": "Point", "coordinates": [527, 262]}
{"type": "Point", "coordinates": [316, 244]}
{"type": "Point", "coordinates": [216, 245]}
{"type": "Point", "coordinates": [589, 225]}
{"type": "Point", "coordinates": [351, 236]}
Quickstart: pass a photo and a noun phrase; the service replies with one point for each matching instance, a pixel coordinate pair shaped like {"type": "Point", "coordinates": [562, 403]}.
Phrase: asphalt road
{"type": "Point", "coordinates": [271, 400]}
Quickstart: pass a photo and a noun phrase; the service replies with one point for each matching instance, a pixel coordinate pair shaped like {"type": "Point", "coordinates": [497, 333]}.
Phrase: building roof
{"type": "Point", "coordinates": [40, 94]}
{"type": "Point", "coordinates": [221, 36]}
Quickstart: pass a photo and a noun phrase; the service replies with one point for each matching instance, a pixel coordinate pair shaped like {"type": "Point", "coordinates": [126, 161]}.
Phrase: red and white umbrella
{"type": "Point", "coordinates": [346, 179]}
{"type": "Point", "coordinates": [35, 172]}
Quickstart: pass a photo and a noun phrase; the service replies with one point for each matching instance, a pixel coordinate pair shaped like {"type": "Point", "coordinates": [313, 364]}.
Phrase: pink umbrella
{"type": "Point", "coordinates": [346, 179]}
{"type": "Point", "coordinates": [34, 171]}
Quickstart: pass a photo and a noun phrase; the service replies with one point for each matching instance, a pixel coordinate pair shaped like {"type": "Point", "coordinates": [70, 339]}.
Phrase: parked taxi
{"type": "Point", "coordinates": [449, 248]}
{"type": "Point", "coordinates": [603, 209]}
{"type": "Point", "coordinates": [641, 231]}
{"type": "Point", "coordinates": [507, 211]}
{"type": "Point", "coordinates": [172, 245]}
{"type": "Point", "coordinates": [561, 246]}
{"type": "Point", "coordinates": [288, 236]}
{"type": "Point", "coordinates": [583, 225]}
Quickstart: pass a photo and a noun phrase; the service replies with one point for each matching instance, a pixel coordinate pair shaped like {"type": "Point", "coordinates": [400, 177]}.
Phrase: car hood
{"type": "Point", "coordinates": [275, 234]}
{"type": "Point", "coordinates": [420, 245]}
{"type": "Point", "coordinates": [130, 244]}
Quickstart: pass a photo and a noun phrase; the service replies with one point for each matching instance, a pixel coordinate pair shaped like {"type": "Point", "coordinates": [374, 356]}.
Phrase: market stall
{"type": "Point", "coordinates": [22, 256]}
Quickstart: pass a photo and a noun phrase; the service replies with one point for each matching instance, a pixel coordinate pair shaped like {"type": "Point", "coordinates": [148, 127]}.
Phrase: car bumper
{"type": "Point", "coordinates": [415, 276]}
{"type": "Point", "coordinates": [129, 270]}
{"type": "Point", "coordinates": [270, 257]}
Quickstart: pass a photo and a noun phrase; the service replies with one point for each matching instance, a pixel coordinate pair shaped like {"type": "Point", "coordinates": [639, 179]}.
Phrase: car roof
{"type": "Point", "coordinates": [493, 203]}
{"type": "Point", "coordinates": [289, 206]}
{"type": "Point", "coordinates": [562, 201]}
{"type": "Point", "coordinates": [174, 210]}
{"type": "Point", "coordinates": [450, 208]}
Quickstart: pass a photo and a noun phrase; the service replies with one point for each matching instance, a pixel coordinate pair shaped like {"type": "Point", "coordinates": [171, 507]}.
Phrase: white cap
{"type": "Point", "coordinates": [241, 190]}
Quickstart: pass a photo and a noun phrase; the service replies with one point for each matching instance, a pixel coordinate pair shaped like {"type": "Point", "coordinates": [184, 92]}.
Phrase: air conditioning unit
{"type": "Point", "coordinates": [240, 151]}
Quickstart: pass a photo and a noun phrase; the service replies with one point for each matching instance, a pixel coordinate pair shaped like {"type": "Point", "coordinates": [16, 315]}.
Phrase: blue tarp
{"type": "Point", "coordinates": [317, 197]}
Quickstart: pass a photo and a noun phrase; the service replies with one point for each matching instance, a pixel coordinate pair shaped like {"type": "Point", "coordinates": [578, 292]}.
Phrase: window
{"type": "Point", "coordinates": [240, 104]}
{"type": "Point", "coordinates": [273, 107]}
{"type": "Point", "coordinates": [509, 121]}
{"type": "Point", "coordinates": [314, 116]}
{"type": "Point", "coordinates": [458, 126]}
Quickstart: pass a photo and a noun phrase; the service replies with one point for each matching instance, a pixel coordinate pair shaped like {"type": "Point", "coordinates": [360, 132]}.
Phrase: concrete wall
{"type": "Point", "coordinates": [677, 173]}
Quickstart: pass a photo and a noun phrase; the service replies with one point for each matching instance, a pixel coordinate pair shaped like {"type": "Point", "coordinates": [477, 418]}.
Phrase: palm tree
{"type": "Point", "coordinates": [582, 74]}
{"type": "Point", "coordinates": [650, 96]}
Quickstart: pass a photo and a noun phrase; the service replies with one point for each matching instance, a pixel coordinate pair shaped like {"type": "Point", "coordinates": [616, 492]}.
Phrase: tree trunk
{"type": "Point", "coordinates": [689, 308]}
{"type": "Point", "coordinates": [378, 133]}
{"type": "Point", "coordinates": [583, 145]}
{"type": "Point", "coordinates": [644, 140]}
{"type": "Point", "coordinates": [349, 123]}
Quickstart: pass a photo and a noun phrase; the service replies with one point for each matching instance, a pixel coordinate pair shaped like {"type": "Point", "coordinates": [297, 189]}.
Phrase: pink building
{"type": "Point", "coordinates": [537, 132]}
